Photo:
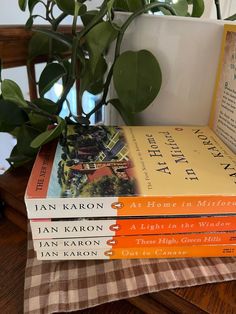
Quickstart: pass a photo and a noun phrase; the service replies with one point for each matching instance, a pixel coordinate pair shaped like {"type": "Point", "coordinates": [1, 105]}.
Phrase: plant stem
{"type": "Point", "coordinates": [218, 10]}
{"type": "Point", "coordinates": [67, 88]}
{"type": "Point", "coordinates": [58, 20]}
{"type": "Point", "coordinates": [74, 24]}
{"type": "Point", "coordinates": [94, 21]}
{"type": "Point", "coordinates": [76, 41]}
{"type": "Point", "coordinates": [48, 12]}
{"type": "Point", "coordinates": [118, 45]}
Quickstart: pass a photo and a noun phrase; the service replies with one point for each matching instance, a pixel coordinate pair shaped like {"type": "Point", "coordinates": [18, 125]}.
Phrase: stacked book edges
{"type": "Point", "coordinates": [134, 237]}
{"type": "Point", "coordinates": [206, 244]}
{"type": "Point", "coordinates": [133, 192]}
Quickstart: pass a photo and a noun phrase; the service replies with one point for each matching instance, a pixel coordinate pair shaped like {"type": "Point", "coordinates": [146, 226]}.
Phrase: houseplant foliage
{"type": "Point", "coordinates": [81, 57]}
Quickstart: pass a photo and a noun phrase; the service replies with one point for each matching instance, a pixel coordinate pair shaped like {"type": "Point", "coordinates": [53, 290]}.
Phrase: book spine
{"type": "Point", "coordinates": [136, 241]}
{"type": "Point", "coordinates": [134, 253]}
{"type": "Point", "coordinates": [41, 172]}
{"type": "Point", "coordinates": [129, 206]}
{"type": "Point", "coordinates": [46, 228]}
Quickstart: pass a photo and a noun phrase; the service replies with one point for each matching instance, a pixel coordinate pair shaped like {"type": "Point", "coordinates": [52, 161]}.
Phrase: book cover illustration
{"type": "Point", "coordinates": [133, 171]}
{"type": "Point", "coordinates": [93, 162]}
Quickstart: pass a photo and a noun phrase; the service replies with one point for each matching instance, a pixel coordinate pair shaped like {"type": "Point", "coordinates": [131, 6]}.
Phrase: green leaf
{"type": "Point", "coordinates": [11, 116]}
{"type": "Point", "coordinates": [198, 8]}
{"type": "Point", "coordinates": [32, 4]}
{"type": "Point", "coordinates": [39, 43]}
{"type": "Point", "coordinates": [128, 117]}
{"type": "Point", "coordinates": [29, 23]}
{"type": "Point", "coordinates": [231, 18]}
{"type": "Point", "coordinates": [46, 105]}
{"type": "Point", "coordinates": [121, 5]}
{"type": "Point", "coordinates": [68, 6]}
{"type": "Point", "coordinates": [87, 18]}
{"type": "Point", "coordinates": [180, 7]}
{"type": "Point", "coordinates": [50, 75]}
{"type": "Point", "coordinates": [135, 5]}
{"type": "Point", "coordinates": [98, 40]}
{"type": "Point", "coordinates": [14, 132]}
{"type": "Point", "coordinates": [12, 92]}
{"type": "Point", "coordinates": [17, 159]}
{"type": "Point", "coordinates": [64, 39]}
{"type": "Point", "coordinates": [137, 79]}
{"type": "Point", "coordinates": [93, 82]}
{"type": "Point", "coordinates": [25, 136]}
{"type": "Point", "coordinates": [49, 135]}
{"type": "Point", "coordinates": [110, 5]}
{"type": "Point", "coordinates": [38, 122]}
{"type": "Point", "coordinates": [22, 4]}
{"type": "Point", "coordinates": [128, 5]}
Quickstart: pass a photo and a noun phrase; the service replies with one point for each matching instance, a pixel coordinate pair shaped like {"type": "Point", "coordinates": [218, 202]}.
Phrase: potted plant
{"type": "Point", "coordinates": [86, 62]}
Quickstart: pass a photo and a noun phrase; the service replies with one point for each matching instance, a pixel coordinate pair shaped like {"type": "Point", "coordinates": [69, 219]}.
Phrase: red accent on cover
{"type": "Point", "coordinates": [111, 242]}
{"type": "Point", "coordinates": [39, 179]}
{"type": "Point", "coordinates": [115, 227]}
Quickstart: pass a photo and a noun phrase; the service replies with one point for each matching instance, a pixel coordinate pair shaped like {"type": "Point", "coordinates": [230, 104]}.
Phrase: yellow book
{"type": "Point", "coordinates": [223, 114]}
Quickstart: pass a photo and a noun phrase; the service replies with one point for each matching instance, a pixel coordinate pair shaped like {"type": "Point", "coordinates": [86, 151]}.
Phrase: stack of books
{"type": "Point", "coordinates": [133, 192]}
{"type": "Point", "coordinates": [109, 192]}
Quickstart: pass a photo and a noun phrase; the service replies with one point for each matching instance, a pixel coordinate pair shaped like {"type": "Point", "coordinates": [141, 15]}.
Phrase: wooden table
{"type": "Point", "coordinates": [219, 298]}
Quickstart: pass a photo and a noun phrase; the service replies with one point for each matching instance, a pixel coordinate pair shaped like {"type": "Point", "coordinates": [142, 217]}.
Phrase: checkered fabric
{"type": "Point", "coordinates": [52, 286]}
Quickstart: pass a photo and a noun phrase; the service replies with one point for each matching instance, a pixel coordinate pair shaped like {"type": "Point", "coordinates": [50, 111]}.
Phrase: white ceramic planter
{"type": "Point", "coordinates": [188, 52]}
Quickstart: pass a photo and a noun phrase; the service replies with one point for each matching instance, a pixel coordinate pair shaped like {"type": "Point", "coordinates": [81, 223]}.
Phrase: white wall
{"type": "Point", "coordinates": [11, 14]}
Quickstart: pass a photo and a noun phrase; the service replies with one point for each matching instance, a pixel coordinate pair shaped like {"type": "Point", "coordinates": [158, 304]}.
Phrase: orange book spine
{"type": "Point", "coordinates": [134, 253]}
{"type": "Point", "coordinates": [174, 225]}
{"type": "Point", "coordinates": [174, 205]}
{"type": "Point", "coordinates": [137, 241]}
{"type": "Point", "coordinates": [46, 228]}
{"type": "Point", "coordinates": [173, 240]}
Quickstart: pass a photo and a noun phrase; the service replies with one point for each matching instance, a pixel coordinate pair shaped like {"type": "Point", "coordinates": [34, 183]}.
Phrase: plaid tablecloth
{"type": "Point", "coordinates": [73, 285]}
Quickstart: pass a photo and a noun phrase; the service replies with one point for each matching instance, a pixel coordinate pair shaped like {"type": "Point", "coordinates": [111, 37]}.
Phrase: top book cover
{"type": "Point", "coordinates": [133, 171]}
{"type": "Point", "coordinates": [110, 171]}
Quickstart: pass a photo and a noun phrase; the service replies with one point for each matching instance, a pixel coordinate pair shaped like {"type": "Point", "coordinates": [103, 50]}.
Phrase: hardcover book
{"type": "Point", "coordinates": [140, 252]}
{"type": "Point", "coordinates": [186, 239]}
{"type": "Point", "coordinates": [70, 228]}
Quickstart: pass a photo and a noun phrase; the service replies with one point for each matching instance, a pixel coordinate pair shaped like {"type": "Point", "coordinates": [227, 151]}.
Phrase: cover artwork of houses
{"type": "Point", "coordinates": [93, 162]}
